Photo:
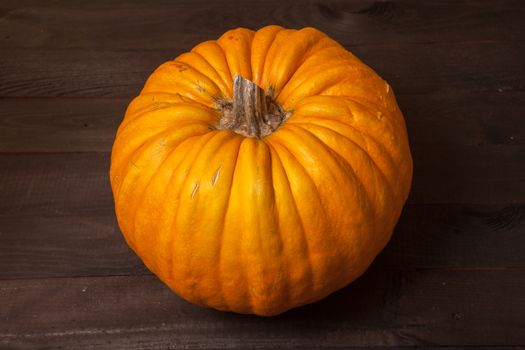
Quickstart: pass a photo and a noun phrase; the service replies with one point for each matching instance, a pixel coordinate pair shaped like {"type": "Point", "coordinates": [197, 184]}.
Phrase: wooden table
{"type": "Point", "coordinates": [454, 272]}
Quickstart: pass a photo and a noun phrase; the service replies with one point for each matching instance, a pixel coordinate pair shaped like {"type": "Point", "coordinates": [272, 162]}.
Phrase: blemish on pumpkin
{"type": "Point", "coordinates": [198, 86]}
{"type": "Point", "coordinates": [379, 116]}
{"type": "Point", "coordinates": [135, 165]}
{"type": "Point", "coordinates": [195, 189]}
{"type": "Point", "coordinates": [180, 67]}
{"type": "Point", "coordinates": [215, 176]}
{"type": "Point", "coordinates": [387, 88]}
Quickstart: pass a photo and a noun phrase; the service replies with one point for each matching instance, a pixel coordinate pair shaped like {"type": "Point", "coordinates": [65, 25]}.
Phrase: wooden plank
{"type": "Point", "coordinates": [457, 236]}
{"type": "Point", "coordinates": [161, 24]}
{"type": "Point", "coordinates": [427, 236]}
{"type": "Point", "coordinates": [382, 308]}
{"type": "Point", "coordinates": [39, 212]}
{"type": "Point", "coordinates": [54, 184]}
{"type": "Point", "coordinates": [45, 184]}
{"type": "Point", "coordinates": [433, 120]}
{"type": "Point", "coordinates": [59, 125]}
{"type": "Point", "coordinates": [464, 119]}
{"type": "Point", "coordinates": [474, 174]}
{"type": "Point", "coordinates": [88, 244]}
{"type": "Point", "coordinates": [60, 206]}
{"type": "Point", "coordinates": [56, 217]}
{"type": "Point", "coordinates": [76, 73]}
{"type": "Point", "coordinates": [410, 69]}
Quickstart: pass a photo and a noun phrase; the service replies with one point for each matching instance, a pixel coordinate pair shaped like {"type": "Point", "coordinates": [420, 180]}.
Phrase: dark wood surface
{"type": "Point", "coordinates": [453, 275]}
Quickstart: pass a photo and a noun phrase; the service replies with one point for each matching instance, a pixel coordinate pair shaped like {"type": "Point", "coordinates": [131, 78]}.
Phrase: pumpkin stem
{"type": "Point", "coordinates": [252, 112]}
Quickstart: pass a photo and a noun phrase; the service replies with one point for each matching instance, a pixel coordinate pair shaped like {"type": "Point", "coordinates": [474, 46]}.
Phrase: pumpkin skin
{"type": "Point", "coordinates": [261, 225]}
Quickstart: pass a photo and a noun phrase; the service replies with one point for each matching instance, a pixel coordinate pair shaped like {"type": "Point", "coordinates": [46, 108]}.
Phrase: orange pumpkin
{"type": "Point", "coordinates": [261, 171]}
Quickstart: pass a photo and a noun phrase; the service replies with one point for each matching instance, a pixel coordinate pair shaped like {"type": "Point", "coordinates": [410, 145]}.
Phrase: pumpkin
{"type": "Point", "coordinates": [261, 171]}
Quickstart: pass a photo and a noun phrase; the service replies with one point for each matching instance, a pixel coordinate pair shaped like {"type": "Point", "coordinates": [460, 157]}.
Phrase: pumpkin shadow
{"type": "Point", "coordinates": [369, 302]}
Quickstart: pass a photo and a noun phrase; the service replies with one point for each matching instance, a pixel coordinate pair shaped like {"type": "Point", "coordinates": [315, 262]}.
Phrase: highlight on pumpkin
{"type": "Point", "coordinates": [261, 171]}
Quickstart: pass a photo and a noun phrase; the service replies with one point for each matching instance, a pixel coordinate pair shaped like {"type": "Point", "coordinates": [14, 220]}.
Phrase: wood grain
{"type": "Point", "coordinates": [56, 218]}
{"type": "Point", "coordinates": [167, 24]}
{"type": "Point", "coordinates": [464, 119]}
{"type": "Point", "coordinates": [470, 174]}
{"type": "Point", "coordinates": [410, 68]}
{"type": "Point", "coordinates": [383, 308]}
{"type": "Point", "coordinates": [65, 125]}
{"type": "Point", "coordinates": [427, 236]}
{"type": "Point", "coordinates": [89, 244]}
{"type": "Point", "coordinates": [70, 183]}
{"type": "Point", "coordinates": [55, 184]}
{"type": "Point", "coordinates": [84, 125]}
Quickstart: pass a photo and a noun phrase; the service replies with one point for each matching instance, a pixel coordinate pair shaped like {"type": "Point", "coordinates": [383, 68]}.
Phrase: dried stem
{"type": "Point", "coordinates": [252, 112]}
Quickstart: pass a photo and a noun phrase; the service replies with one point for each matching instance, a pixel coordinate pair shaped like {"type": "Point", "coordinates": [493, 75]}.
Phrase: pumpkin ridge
{"type": "Point", "coordinates": [372, 204]}
{"type": "Point", "coordinates": [393, 130]}
{"type": "Point", "coordinates": [135, 124]}
{"type": "Point", "coordinates": [336, 172]}
{"type": "Point", "coordinates": [189, 208]}
{"type": "Point", "coordinates": [396, 124]}
{"type": "Point", "coordinates": [276, 158]}
{"type": "Point", "coordinates": [172, 77]}
{"type": "Point", "coordinates": [144, 191]}
{"type": "Point", "coordinates": [165, 218]}
{"type": "Point", "coordinates": [306, 56]}
{"type": "Point", "coordinates": [151, 264]}
{"type": "Point", "coordinates": [118, 198]}
{"type": "Point", "coordinates": [169, 219]}
{"type": "Point", "coordinates": [324, 78]}
{"type": "Point", "coordinates": [184, 100]}
{"type": "Point", "coordinates": [314, 190]}
{"type": "Point", "coordinates": [365, 152]}
{"type": "Point", "coordinates": [186, 273]}
{"type": "Point", "coordinates": [240, 35]}
{"type": "Point", "coordinates": [221, 260]}
{"type": "Point", "coordinates": [366, 139]}
{"type": "Point", "coordinates": [203, 49]}
{"type": "Point", "coordinates": [126, 160]}
{"type": "Point", "coordinates": [334, 64]}
{"type": "Point", "coordinates": [131, 115]}
{"type": "Point", "coordinates": [338, 160]}
{"type": "Point", "coordinates": [260, 243]}
{"type": "Point", "coordinates": [311, 66]}
{"type": "Point", "coordinates": [221, 229]}
{"type": "Point", "coordinates": [261, 54]}
{"type": "Point", "coordinates": [353, 125]}
{"type": "Point", "coordinates": [184, 66]}
{"type": "Point", "coordinates": [238, 234]}
{"type": "Point", "coordinates": [285, 290]}
{"type": "Point", "coordinates": [226, 85]}
{"type": "Point", "coordinates": [270, 55]}
{"type": "Point", "coordinates": [216, 78]}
